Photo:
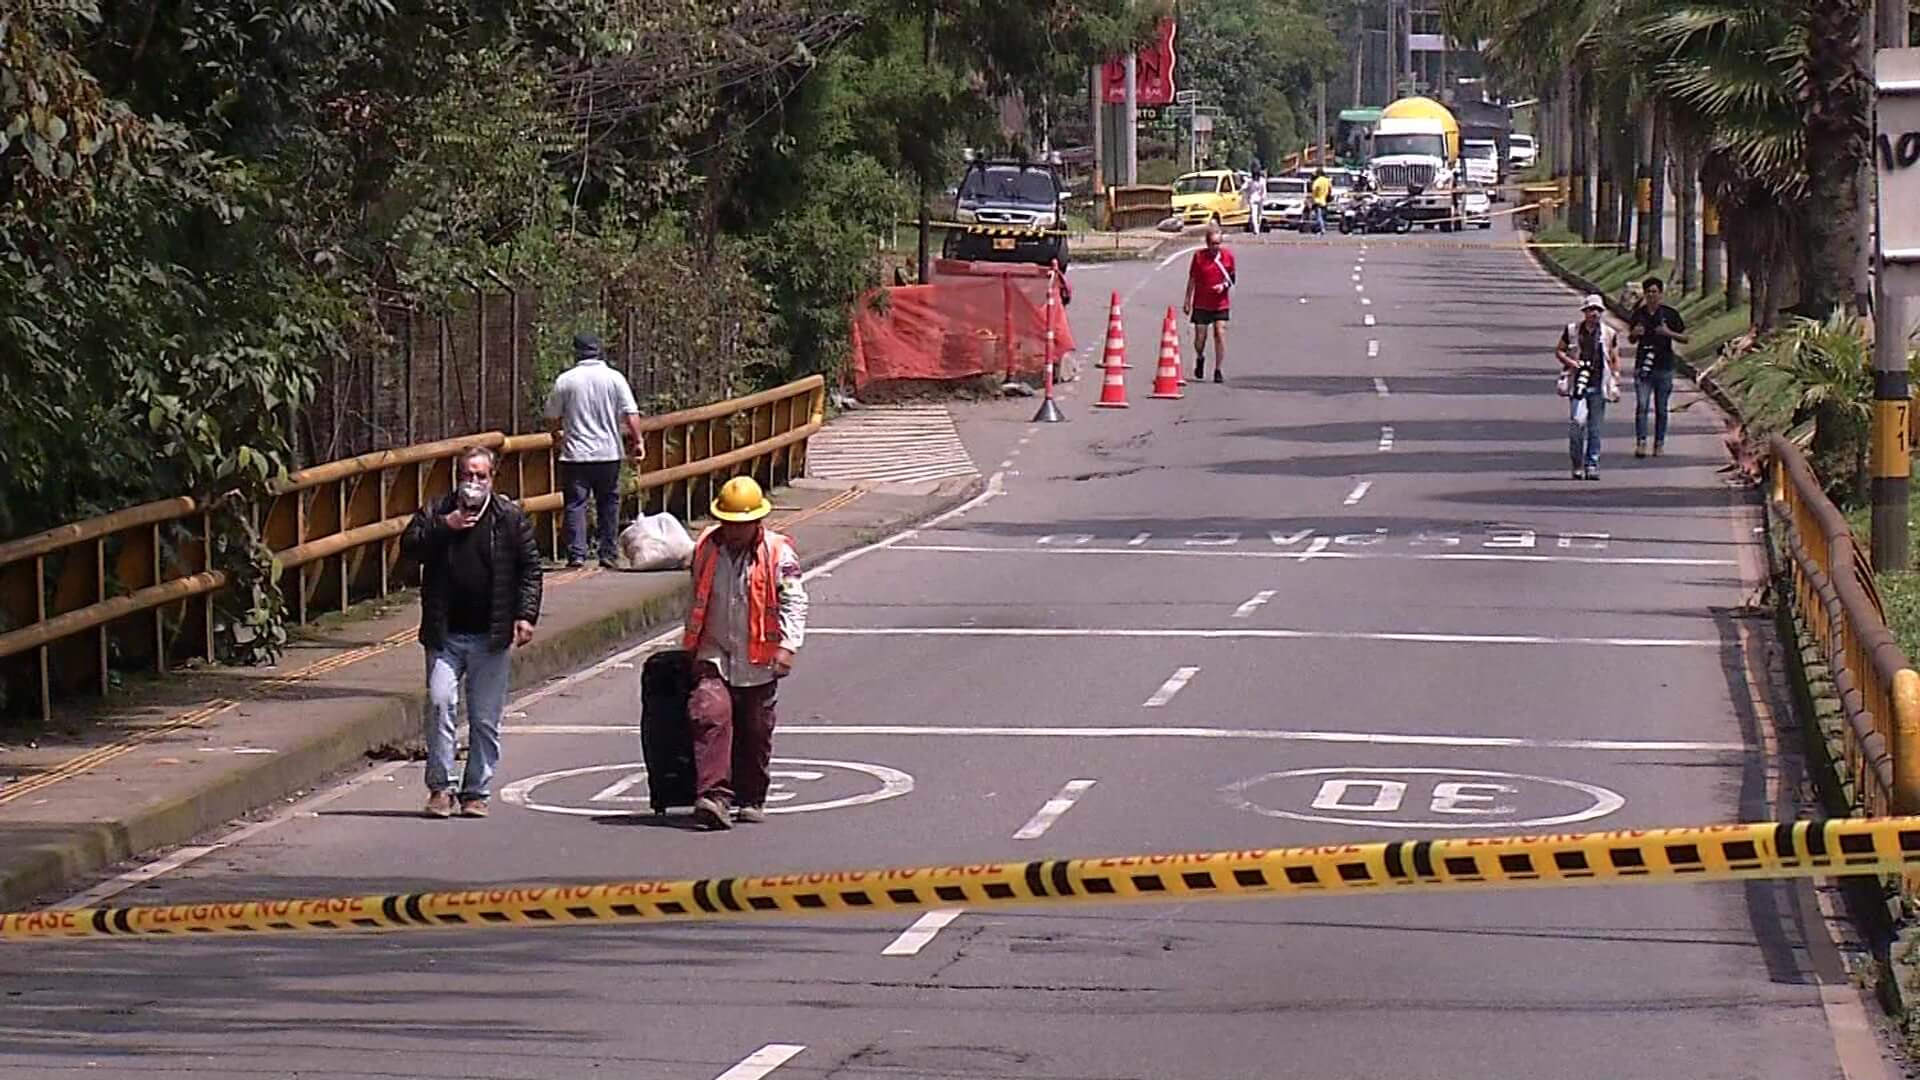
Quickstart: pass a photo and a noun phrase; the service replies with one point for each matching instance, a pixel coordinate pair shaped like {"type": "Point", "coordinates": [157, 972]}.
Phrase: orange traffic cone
{"type": "Point", "coordinates": [1166, 379]}
{"type": "Point", "coordinates": [1113, 390]}
{"type": "Point", "coordinates": [1116, 354]}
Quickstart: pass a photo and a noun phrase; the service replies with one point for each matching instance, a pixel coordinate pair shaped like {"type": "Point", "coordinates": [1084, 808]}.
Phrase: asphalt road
{"type": "Point", "coordinates": [1248, 618]}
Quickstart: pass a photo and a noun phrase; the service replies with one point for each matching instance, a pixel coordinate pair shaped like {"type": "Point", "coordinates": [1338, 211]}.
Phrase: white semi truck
{"type": "Point", "coordinates": [1416, 154]}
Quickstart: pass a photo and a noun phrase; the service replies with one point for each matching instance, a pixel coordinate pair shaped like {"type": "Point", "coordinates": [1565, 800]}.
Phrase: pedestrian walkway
{"type": "Point", "coordinates": [191, 752]}
{"type": "Point", "coordinates": [897, 444]}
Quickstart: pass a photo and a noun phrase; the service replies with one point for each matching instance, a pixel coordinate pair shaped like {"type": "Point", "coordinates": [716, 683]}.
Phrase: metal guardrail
{"type": "Point", "coordinates": [134, 588]}
{"type": "Point", "coordinates": [1835, 594]}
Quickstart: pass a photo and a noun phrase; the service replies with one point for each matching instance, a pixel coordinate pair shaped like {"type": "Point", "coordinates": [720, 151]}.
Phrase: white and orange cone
{"type": "Point", "coordinates": [1166, 378]}
{"type": "Point", "coordinates": [1116, 353]}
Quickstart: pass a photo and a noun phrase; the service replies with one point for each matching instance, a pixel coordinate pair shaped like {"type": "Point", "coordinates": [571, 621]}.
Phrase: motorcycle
{"type": "Point", "coordinates": [1377, 214]}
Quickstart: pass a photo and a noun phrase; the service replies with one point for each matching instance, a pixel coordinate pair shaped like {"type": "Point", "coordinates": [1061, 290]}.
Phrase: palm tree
{"type": "Point", "coordinates": [1836, 98]}
{"type": "Point", "coordinates": [1726, 69]}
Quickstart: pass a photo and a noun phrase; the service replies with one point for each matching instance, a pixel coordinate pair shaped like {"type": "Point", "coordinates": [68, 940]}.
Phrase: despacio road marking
{"type": "Point", "coordinates": [801, 785]}
{"type": "Point", "coordinates": [1409, 797]}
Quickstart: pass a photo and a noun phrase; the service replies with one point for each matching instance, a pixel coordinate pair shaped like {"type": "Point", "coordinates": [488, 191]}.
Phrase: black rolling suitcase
{"type": "Point", "coordinates": [666, 734]}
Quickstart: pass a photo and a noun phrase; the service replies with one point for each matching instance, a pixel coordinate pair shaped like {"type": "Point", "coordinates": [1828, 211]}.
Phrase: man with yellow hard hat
{"type": "Point", "coordinates": [748, 617]}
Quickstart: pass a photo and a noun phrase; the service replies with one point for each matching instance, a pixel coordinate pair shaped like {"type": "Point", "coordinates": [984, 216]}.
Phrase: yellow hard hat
{"type": "Point", "coordinates": [741, 499]}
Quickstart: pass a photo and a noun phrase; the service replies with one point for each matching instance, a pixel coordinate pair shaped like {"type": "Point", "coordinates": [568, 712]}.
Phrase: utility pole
{"type": "Point", "coordinates": [1130, 133]}
{"type": "Point", "coordinates": [1096, 103]}
{"type": "Point", "coordinates": [1892, 396]}
{"type": "Point", "coordinates": [928, 26]}
{"type": "Point", "coordinates": [1322, 143]}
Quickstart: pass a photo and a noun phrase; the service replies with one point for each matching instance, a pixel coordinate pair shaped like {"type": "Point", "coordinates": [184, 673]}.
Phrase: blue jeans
{"type": "Point", "coordinates": [1655, 389]}
{"type": "Point", "coordinates": [1319, 220]}
{"type": "Point", "coordinates": [598, 481]}
{"type": "Point", "coordinates": [485, 670]}
{"type": "Point", "coordinates": [1584, 419]}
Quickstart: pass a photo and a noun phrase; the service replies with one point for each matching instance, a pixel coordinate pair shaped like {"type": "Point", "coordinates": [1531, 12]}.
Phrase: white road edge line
{"type": "Point", "coordinates": [1364, 738]}
{"type": "Point", "coordinates": [1052, 809]}
{"type": "Point", "coordinates": [1359, 492]}
{"type": "Point", "coordinates": [1172, 686]}
{"type": "Point", "coordinates": [1177, 256]}
{"type": "Point", "coordinates": [1277, 634]}
{"type": "Point", "coordinates": [1247, 609]}
{"type": "Point", "coordinates": [180, 857]}
{"type": "Point", "coordinates": [921, 933]}
{"type": "Point", "coordinates": [156, 868]}
{"type": "Point", "coordinates": [1318, 550]}
{"type": "Point", "coordinates": [760, 1063]}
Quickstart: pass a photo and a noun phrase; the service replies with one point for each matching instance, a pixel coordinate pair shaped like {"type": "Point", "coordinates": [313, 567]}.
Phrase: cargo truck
{"type": "Point", "coordinates": [1416, 155]}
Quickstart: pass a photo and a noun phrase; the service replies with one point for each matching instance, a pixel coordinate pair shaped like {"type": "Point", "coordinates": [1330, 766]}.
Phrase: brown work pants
{"type": "Point", "coordinates": [732, 738]}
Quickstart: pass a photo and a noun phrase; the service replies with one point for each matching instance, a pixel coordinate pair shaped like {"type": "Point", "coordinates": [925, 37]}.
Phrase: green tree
{"type": "Point", "coordinates": [1261, 62]}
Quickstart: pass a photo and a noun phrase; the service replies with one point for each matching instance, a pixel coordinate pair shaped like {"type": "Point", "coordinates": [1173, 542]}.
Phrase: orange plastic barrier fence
{"type": "Point", "coordinates": [974, 319]}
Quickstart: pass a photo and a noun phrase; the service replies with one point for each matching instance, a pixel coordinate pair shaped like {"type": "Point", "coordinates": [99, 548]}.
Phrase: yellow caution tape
{"type": "Point", "coordinates": [1843, 847]}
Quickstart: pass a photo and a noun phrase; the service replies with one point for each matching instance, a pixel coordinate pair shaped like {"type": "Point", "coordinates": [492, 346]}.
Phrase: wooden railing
{"type": "Point", "coordinates": [134, 589]}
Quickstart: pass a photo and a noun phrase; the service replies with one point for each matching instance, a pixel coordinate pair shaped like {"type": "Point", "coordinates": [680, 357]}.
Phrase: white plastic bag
{"type": "Point", "coordinates": [657, 542]}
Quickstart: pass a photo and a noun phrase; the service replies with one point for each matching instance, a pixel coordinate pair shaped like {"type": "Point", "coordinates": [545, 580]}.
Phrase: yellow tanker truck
{"type": "Point", "coordinates": [1416, 154]}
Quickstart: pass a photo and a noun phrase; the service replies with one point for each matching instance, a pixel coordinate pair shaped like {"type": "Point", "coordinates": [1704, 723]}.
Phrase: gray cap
{"type": "Point", "coordinates": [586, 346]}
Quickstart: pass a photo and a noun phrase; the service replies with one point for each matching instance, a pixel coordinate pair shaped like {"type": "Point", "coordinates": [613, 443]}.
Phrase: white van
{"type": "Point", "coordinates": [1521, 151]}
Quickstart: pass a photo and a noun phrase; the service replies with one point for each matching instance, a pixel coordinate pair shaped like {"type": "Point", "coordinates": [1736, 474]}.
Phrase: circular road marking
{"type": "Point", "coordinates": [631, 787]}
{"type": "Point", "coordinates": [1458, 798]}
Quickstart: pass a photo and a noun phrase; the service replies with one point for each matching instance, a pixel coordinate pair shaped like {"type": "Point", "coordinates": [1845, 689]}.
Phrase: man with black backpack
{"type": "Point", "coordinates": [1653, 329]}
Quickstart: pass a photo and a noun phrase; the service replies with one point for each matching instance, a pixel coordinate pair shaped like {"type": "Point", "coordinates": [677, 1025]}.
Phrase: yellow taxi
{"type": "Point", "coordinates": [1210, 196]}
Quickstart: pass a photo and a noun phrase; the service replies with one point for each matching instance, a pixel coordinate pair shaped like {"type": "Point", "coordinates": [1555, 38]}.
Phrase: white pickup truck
{"type": "Point", "coordinates": [1481, 158]}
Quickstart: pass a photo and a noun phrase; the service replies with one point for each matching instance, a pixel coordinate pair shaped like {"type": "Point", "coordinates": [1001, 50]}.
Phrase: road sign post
{"type": "Point", "coordinates": [1897, 165]}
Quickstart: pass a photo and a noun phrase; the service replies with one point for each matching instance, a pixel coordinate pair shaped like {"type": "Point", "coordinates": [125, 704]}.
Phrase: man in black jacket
{"type": "Point", "coordinates": [479, 595]}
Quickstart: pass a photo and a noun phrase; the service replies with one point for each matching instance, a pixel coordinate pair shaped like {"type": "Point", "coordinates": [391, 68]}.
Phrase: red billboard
{"type": "Point", "coordinates": [1153, 72]}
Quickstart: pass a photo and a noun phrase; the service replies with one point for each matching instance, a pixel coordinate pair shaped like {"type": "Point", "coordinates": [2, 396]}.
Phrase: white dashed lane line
{"type": "Point", "coordinates": [916, 937]}
{"type": "Point", "coordinates": [1042, 820]}
{"type": "Point", "coordinates": [761, 1063]}
{"type": "Point", "coordinates": [1386, 438]}
{"type": "Point", "coordinates": [1359, 492]}
{"type": "Point", "coordinates": [1253, 604]}
{"type": "Point", "coordinates": [1171, 687]}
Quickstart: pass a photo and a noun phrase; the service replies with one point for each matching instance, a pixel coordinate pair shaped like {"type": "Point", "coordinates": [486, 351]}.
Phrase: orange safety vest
{"type": "Point", "coordinates": [763, 595]}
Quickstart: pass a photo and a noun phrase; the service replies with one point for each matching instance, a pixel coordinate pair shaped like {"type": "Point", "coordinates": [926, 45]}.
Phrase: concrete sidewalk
{"type": "Point", "coordinates": [200, 749]}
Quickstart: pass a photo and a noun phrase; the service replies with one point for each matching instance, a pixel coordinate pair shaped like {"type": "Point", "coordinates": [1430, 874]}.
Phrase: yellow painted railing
{"type": "Point", "coordinates": [134, 588]}
{"type": "Point", "coordinates": [1835, 595]}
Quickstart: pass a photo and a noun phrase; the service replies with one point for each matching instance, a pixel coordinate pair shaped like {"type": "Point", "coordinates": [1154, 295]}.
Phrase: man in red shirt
{"type": "Point", "coordinates": [1210, 281]}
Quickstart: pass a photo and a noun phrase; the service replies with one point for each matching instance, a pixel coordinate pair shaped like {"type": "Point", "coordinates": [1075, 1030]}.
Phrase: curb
{"type": "Point", "coordinates": [56, 864]}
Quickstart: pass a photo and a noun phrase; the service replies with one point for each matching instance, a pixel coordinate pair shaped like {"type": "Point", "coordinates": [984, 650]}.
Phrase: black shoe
{"type": "Point", "coordinates": [575, 564]}
{"type": "Point", "coordinates": [1218, 378]}
{"type": "Point", "coordinates": [1591, 474]}
{"type": "Point", "coordinates": [1200, 368]}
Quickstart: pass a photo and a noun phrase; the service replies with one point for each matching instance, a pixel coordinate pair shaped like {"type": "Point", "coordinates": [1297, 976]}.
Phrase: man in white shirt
{"type": "Point", "coordinates": [589, 403]}
{"type": "Point", "coordinates": [1255, 195]}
